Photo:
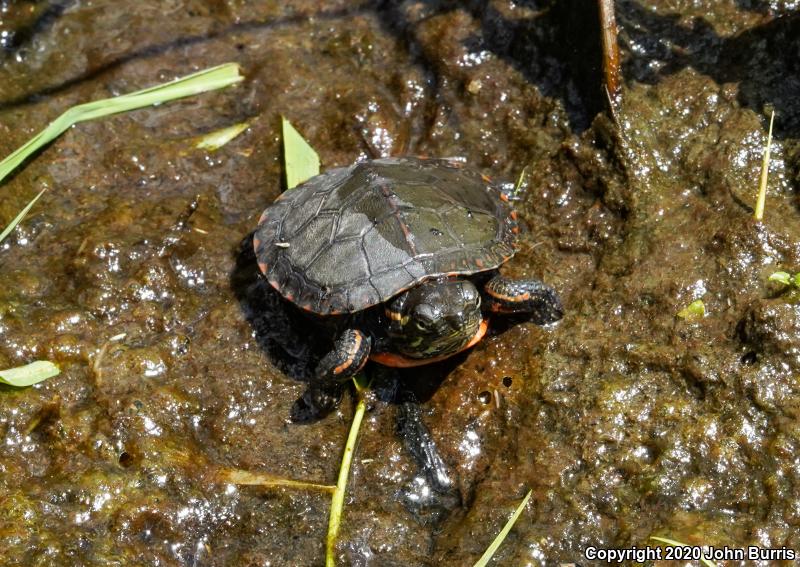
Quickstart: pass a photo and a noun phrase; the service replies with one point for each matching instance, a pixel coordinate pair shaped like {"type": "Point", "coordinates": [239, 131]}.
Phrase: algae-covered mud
{"type": "Point", "coordinates": [134, 273]}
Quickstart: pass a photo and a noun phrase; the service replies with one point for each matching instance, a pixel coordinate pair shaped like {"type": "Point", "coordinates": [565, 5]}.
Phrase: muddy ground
{"type": "Point", "coordinates": [178, 364]}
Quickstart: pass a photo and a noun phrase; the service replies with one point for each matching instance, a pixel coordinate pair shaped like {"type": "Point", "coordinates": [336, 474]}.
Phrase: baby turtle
{"type": "Point", "coordinates": [403, 250]}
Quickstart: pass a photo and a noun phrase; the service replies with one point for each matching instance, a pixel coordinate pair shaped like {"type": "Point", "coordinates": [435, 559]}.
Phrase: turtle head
{"type": "Point", "coordinates": [434, 318]}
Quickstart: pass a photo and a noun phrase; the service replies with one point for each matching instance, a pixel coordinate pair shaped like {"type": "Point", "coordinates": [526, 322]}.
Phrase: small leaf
{"type": "Point", "coordinates": [781, 277]}
{"type": "Point", "coordinates": [695, 310]}
{"type": "Point", "coordinates": [490, 551]}
{"type": "Point", "coordinates": [300, 159]}
{"type": "Point", "coordinates": [29, 374]}
{"type": "Point", "coordinates": [215, 140]}
{"type": "Point", "coordinates": [13, 224]}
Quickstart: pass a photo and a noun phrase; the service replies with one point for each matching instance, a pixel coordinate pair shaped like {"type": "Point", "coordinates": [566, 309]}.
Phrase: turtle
{"type": "Point", "coordinates": [404, 253]}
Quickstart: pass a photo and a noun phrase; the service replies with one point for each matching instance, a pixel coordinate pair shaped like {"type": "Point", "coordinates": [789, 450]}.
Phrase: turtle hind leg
{"type": "Point", "coordinates": [540, 301]}
{"type": "Point", "coordinates": [349, 355]}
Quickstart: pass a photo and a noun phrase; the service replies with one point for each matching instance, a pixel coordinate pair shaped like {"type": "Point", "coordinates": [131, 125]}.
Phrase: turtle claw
{"type": "Point", "coordinates": [547, 309]}
{"type": "Point", "coordinates": [317, 402]}
{"type": "Point", "coordinates": [349, 355]}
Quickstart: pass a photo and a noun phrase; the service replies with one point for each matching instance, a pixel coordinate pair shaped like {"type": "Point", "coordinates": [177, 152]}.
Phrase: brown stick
{"type": "Point", "coordinates": [266, 480]}
{"type": "Point", "coordinates": [608, 27]}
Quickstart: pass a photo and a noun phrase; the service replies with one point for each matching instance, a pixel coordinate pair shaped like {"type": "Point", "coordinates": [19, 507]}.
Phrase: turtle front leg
{"type": "Point", "coordinates": [541, 301]}
{"type": "Point", "coordinates": [349, 355]}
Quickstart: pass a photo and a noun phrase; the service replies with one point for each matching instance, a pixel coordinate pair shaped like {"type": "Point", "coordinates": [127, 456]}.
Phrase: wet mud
{"type": "Point", "coordinates": [179, 364]}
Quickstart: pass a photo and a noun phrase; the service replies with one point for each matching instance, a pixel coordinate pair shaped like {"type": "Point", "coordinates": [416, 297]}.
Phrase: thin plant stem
{"type": "Point", "coordinates": [608, 32]}
{"type": "Point", "coordinates": [762, 185]}
{"type": "Point", "coordinates": [337, 502]}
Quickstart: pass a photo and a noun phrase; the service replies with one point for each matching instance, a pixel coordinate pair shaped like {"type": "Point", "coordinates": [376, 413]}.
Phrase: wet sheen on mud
{"type": "Point", "coordinates": [134, 273]}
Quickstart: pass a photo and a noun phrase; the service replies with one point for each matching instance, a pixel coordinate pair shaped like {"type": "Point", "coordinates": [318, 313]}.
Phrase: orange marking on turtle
{"type": "Point", "coordinates": [289, 297]}
{"type": "Point", "coordinates": [399, 361]}
{"type": "Point", "coordinates": [393, 315]}
{"type": "Point", "coordinates": [479, 262]}
{"type": "Point", "coordinates": [263, 267]}
{"type": "Point", "coordinates": [350, 357]}
{"type": "Point", "coordinates": [262, 218]}
{"type": "Point", "coordinates": [515, 230]}
{"type": "Point", "coordinates": [513, 215]}
{"type": "Point", "coordinates": [256, 243]}
{"type": "Point", "coordinates": [486, 178]}
{"type": "Point", "coordinates": [511, 298]}
{"type": "Point", "coordinates": [504, 197]}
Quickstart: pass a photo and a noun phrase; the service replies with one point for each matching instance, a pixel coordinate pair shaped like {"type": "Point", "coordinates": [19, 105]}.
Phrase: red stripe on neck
{"type": "Point", "coordinates": [400, 361]}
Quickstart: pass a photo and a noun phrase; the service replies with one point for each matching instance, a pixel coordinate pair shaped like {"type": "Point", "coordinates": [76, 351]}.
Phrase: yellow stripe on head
{"type": "Point", "coordinates": [396, 316]}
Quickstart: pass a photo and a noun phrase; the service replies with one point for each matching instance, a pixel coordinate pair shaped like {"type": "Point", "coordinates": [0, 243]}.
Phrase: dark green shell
{"type": "Point", "coordinates": [354, 237]}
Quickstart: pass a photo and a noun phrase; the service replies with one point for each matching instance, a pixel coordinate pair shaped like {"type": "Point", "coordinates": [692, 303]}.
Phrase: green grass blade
{"type": "Point", "coordinates": [15, 158]}
{"type": "Point", "coordinates": [208, 80]}
{"type": "Point", "coordinates": [520, 180]}
{"type": "Point", "coordinates": [672, 542]}
{"type": "Point", "coordinates": [29, 374]}
{"type": "Point", "coordinates": [337, 501]}
{"type": "Point", "coordinates": [202, 81]}
{"type": "Point", "coordinates": [762, 186]}
{"type": "Point", "coordinates": [221, 75]}
{"type": "Point", "coordinates": [498, 541]}
{"type": "Point", "coordinates": [300, 159]}
{"type": "Point", "coordinates": [13, 224]}
{"type": "Point", "coordinates": [215, 140]}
